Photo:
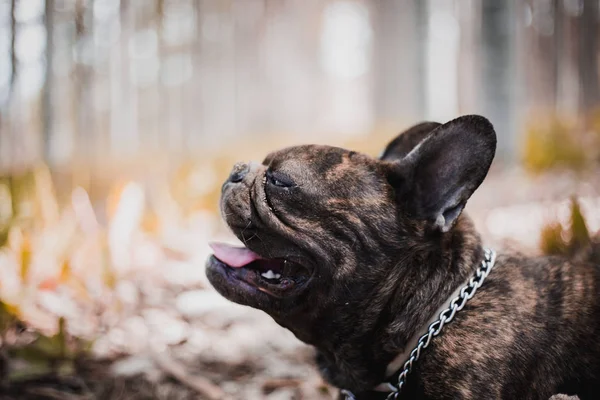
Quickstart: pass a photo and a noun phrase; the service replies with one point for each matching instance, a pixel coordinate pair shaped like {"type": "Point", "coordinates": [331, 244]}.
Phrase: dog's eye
{"type": "Point", "coordinates": [278, 179]}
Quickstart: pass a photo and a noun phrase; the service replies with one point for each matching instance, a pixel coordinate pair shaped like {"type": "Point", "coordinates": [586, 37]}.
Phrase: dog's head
{"type": "Point", "coordinates": [323, 226]}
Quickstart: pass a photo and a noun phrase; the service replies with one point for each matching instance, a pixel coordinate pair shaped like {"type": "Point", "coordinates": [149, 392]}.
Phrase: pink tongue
{"type": "Point", "coordinates": [235, 257]}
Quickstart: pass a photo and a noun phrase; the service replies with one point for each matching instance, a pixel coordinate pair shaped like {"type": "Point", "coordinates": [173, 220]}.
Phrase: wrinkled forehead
{"type": "Point", "coordinates": [320, 159]}
{"type": "Point", "coordinates": [316, 165]}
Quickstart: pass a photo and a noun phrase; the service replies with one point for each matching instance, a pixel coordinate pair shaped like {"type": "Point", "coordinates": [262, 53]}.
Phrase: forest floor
{"type": "Point", "coordinates": [176, 338]}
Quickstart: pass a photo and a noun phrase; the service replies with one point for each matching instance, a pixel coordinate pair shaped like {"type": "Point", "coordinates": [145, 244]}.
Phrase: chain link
{"type": "Point", "coordinates": [446, 316]}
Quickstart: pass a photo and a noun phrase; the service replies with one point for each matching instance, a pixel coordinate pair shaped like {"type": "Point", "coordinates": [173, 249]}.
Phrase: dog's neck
{"type": "Point", "coordinates": [357, 359]}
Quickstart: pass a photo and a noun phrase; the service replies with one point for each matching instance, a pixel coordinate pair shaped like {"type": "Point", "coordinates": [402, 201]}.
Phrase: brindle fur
{"type": "Point", "coordinates": [381, 269]}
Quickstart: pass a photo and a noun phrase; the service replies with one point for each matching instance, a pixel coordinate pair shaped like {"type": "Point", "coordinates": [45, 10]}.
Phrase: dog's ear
{"type": "Point", "coordinates": [435, 180]}
{"type": "Point", "coordinates": [407, 140]}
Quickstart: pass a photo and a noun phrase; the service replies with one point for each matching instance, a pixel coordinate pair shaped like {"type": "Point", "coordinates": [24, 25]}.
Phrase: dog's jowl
{"type": "Point", "coordinates": [357, 255]}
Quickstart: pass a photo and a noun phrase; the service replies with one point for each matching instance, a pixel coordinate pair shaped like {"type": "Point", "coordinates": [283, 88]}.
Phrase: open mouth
{"type": "Point", "coordinates": [275, 276]}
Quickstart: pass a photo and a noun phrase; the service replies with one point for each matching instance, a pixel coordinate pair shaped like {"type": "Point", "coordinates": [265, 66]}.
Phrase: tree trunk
{"type": "Point", "coordinates": [398, 65]}
{"type": "Point", "coordinates": [421, 26]}
{"type": "Point", "coordinates": [13, 54]}
{"type": "Point", "coordinates": [497, 75]}
{"type": "Point", "coordinates": [588, 53]}
{"type": "Point", "coordinates": [47, 101]}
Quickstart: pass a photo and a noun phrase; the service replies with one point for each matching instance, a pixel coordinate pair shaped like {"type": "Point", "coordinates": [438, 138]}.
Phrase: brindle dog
{"type": "Point", "coordinates": [355, 254]}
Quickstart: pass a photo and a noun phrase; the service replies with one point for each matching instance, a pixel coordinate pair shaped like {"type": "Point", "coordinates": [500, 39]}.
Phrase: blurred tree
{"type": "Point", "coordinates": [123, 77]}
{"type": "Point", "coordinates": [6, 135]}
{"type": "Point", "coordinates": [588, 56]}
{"type": "Point", "coordinates": [400, 36]}
{"type": "Point", "coordinates": [497, 71]}
{"type": "Point", "coordinates": [83, 107]}
{"type": "Point", "coordinates": [47, 94]}
{"type": "Point", "coordinates": [557, 49]}
{"type": "Point", "coordinates": [13, 54]}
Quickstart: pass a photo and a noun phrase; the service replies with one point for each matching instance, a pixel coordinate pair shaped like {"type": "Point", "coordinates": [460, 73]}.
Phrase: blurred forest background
{"type": "Point", "coordinates": [119, 119]}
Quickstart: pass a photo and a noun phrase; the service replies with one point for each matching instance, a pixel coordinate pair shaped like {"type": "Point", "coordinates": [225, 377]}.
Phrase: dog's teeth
{"type": "Point", "coordinates": [270, 275]}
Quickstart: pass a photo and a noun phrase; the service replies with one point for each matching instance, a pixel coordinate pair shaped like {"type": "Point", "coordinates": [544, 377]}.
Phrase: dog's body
{"type": "Point", "coordinates": [530, 332]}
{"type": "Point", "coordinates": [355, 255]}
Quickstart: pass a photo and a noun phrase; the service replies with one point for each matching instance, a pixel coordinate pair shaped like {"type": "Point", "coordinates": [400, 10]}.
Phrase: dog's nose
{"type": "Point", "coordinates": [239, 171]}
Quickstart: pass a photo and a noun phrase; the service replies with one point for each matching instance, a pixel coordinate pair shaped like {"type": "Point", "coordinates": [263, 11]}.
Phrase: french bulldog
{"type": "Point", "coordinates": [356, 256]}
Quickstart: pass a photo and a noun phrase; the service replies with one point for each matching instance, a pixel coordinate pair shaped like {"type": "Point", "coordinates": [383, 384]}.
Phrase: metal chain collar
{"type": "Point", "coordinates": [447, 315]}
